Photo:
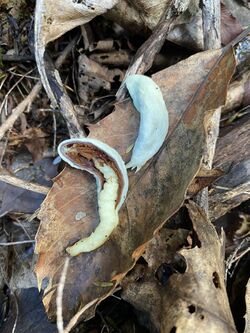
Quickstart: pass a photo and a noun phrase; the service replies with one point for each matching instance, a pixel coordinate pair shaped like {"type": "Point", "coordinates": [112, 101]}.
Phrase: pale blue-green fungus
{"type": "Point", "coordinates": [148, 101]}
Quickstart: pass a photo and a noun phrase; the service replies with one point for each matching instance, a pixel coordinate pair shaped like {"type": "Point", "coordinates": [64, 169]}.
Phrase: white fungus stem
{"type": "Point", "coordinates": [108, 213]}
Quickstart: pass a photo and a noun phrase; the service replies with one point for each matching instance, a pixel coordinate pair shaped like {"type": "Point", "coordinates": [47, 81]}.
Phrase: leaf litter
{"type": "Point", "coordinates": [163, 256]}
{"type": "Point", "coordinates": [162, 182]}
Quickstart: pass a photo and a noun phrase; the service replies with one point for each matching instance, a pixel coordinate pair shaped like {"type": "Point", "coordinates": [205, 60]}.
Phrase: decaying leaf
{"type": "Point", "coordinates": [53, 19]}
{"type": "Point", "coordinates": [202, 301]}
{"type": "Point", "coordinates": [94, 77]}
{"type": "Point", "coordinates": [115, 58]}
{"type": "Point", "coordinates": [140, 16]}
{"type": "Point", "coordinates": [156, 192]}
{"type": "Point", "coordinates": [194, 297]}
{"type": "Point", "coordinates": [163, 247]}
{"type": "Point", "coordinates": [143, 15]}
{"type": "Point", "coordinates": [239, 11]}
{"type": "Point", "coordinates": [230, 28]}
{"type": "Point", "coordinates": [35, 142]}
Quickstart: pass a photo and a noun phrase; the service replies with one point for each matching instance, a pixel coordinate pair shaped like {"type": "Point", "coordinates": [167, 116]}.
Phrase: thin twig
{"type": "Point", "coordinates": [17, 58]}
{"type": "Point", "coordinates": [237, 39]}
{"type": "Point", "coordinates": [212, 40]}
{"type": "Point", "coordinates": [57, 92]}
{"type": "Point", "coordinates": [12, 180]}
{"type": "Point", "coordinates": [77, 316]}
{"type": "Point", "coordinates": [20, 224]}
{"type": "Point", "coordinates": [54, 134]}
{"type": "Point", "coordinates": [17, 313]}
{"type": "Point", "coordinates": [63, 56]}
{"type": "Point", "coordinates": [13, 87]}
{"type": "Point", "coordinates": [211, 24]}
{"type": "Point", "coordinates": [4, 147]}
{"type": "Point", "coordinates": [234, 256]}
{"type": "Point", "coordinates": [26, 76]}
{"type": "Point", "coordinates": [17, 111]}
{"type": "Point", "coordinates": [17, 243]}
{"type": "Point", "coordinates": [59, 297]}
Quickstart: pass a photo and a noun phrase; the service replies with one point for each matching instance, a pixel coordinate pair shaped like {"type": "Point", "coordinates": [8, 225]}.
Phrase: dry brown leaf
{"type": "Point", "coordinates": [198, 298]}
{"type": "Point", "coordinates": [156, 192]}
{"type": "Point", "coordinates": [140, 16]}
{"type": "Point", "coordinates": [230, 27]}
{"type": "Point", "coordinates": [114, 58]}
{"type": "Point", "coordinates": [192, 300]}
{"type": "Point", "coordinates": [163, 247]}
{"type": "Point", "coordinates": [240, 12]}
{"type": "Point", "coordinates": [34, 140]}
{"type": "Point", "coordinates": [94, 77]}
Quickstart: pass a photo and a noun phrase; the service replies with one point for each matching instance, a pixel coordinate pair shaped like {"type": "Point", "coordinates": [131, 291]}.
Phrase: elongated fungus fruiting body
{"type": "Point", "coordinates": [148, 101]}
{"type": "Point", "coordinates": [109, 170]}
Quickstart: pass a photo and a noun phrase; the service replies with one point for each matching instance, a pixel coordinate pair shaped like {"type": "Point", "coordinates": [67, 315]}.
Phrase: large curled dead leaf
{"type": "Point", "coordinates": [140, 16]}
{"type": "Point", "coordinates": [202, 298]}
{"type": "Point", "coordinates": [156, 192]}
{"type": "Point", "coordinates": [193, 297]}
{"type": "Point", "coordinates": [54, 18]}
